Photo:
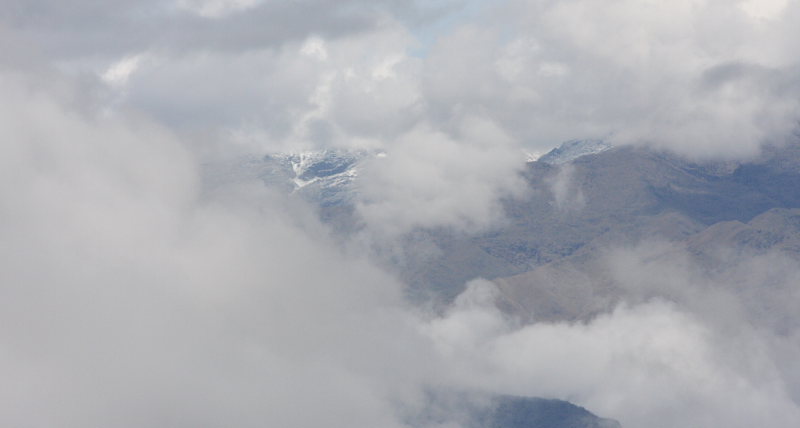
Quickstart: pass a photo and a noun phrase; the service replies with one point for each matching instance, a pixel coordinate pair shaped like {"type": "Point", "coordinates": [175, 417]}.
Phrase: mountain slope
{"type": "Point", "coordinates": [518, 412]}
{"type": "Point", "coordinates": [583, 196]}
{"type": "Point", "coordinates": [506, 411]}
{"type": "Point", "coordinates": [618, 196]}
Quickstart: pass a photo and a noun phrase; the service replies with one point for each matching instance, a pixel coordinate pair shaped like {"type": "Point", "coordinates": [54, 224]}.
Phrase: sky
{"type": "Point", "coordinates": [703, 78]}
{"type": "Point", "coordinates": [132, 296]}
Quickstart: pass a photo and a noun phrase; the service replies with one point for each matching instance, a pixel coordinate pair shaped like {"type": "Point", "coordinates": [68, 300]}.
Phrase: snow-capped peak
{"type": "Point", "coordinates": [573, 149]}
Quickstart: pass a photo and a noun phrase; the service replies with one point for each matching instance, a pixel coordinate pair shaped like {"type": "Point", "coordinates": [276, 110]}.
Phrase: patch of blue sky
{"type": "Point", "coordinates": [445, 16]}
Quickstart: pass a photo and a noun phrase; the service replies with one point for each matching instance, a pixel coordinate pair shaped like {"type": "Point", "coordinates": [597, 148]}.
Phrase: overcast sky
{"type": "Point", "coordinates": [131, 297]}
{"type": "Point", "coordinates": [703, 77]}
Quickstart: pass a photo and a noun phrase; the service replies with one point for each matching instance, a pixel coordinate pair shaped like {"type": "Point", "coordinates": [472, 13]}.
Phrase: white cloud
{"type": "Point", "coordinates": [567, 194]}
{"type": "Point", "coordinates": [118, 73]}
{"type": "Point", "coordinates": [430, 179]}
{"type": "Point", "coordinates": [216, 8]}
{"type": "Point", "coordinates": [315, 48]}
{"type": "Point", "coordinates": [639, 72]}
{"type": "Point", "coordinates": [764, 9]}
{"type": "Point", "coordinates": [543, 71]}
{"type": "Point", "coordinates": [648, 365]}
{"type": "Point", "coordinates": [126, 287]}
{"type": "Point", "coordinates": [131, 298]}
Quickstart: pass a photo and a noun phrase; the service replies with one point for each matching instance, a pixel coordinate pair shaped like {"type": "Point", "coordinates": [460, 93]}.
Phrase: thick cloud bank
{"type": "Point", "coordinates": [706, 78]}
{"type": "Point", "coordinates": [703, 78]}
{"type": "Point", "coordinates": [130, 299]}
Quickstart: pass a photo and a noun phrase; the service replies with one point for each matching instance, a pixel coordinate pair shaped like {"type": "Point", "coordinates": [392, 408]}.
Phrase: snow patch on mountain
{"type": "Point", "coordinates": [574, 149]}
{"type": "Point", "coordinates": [326, 177]}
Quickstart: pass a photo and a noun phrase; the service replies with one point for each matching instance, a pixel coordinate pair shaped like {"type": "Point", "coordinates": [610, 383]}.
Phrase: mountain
{"type": "Point", "coordinates": [619, 196]}
{"type": "Point", "coordinates": [550, 257]}
{"type": "Point", "coordinates": [324, 178]}
{"type": "Point", "coordinates": [506, 411]}
{"type": "Point", "coordinates": [521, 412]}
{"type": "Point", "coordinates": [776, 229]}
{"type": "Point", "coordinates": [713, 218]}
{"type": "Point", "coordinates": [573, 149]}
{"type": "Point", "coordinates": [584, 196]}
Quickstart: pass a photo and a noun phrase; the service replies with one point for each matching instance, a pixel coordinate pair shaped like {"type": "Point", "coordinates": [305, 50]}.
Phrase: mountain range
{"type": "Point", "coordinates": [552, 256]}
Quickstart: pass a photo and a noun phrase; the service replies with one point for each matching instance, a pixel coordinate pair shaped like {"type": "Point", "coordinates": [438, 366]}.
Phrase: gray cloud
{"type": "Point", "coordinates": [568, 196]}
{"type": "Point", "coordinates": [543, 71]}
{"type": "Point", "coordinates": [687, 346]}
{"type": "Point", "coordinates": [428, 179]}
{"type": "Point", "coordinates": [90, 29]}
{"type": "Point", "coordinates": [131, 296]}
{"type": "Point", "coordinates": [626, 71]}
{"type": "Point", "coordinates": [130, 299]}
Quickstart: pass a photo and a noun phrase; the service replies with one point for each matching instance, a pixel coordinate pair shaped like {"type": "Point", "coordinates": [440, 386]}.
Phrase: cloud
{"type": "Point", "coordinates": [429, 179]}
{"type": "Point", "coordinates": [705, 79]}
{"type": "Point", "coordinates": [354, 93]}
{"type": "Point", "coordinates": [766, 10]}
{"type": "Point", "coordinates": [648, 364]}
{"type": "Point", "coordinates": [718, 337]}
{"type": "Point", "coordinates": [216, 8]}
{"type": "Point", "coordinates": [542, 71]}
{"type": "Point", "coordinates": [118, 73]}
{"type": "Point", "coordinates": [132, 296]}
{"type": "Point", "coordinates": [627, 71]}
{"type": "Point", "coordinates": [313, 93]}
{"type": "Point", "coordinates": [568, 196]}
{"type": "Point", "coordinates": [85, 29]}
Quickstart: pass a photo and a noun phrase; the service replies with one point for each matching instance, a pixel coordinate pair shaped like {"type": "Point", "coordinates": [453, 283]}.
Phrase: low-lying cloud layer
{"type": "Point", "coordinates": [129, 299]}
{"type": "Point", "coordinates": [653, 364]}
